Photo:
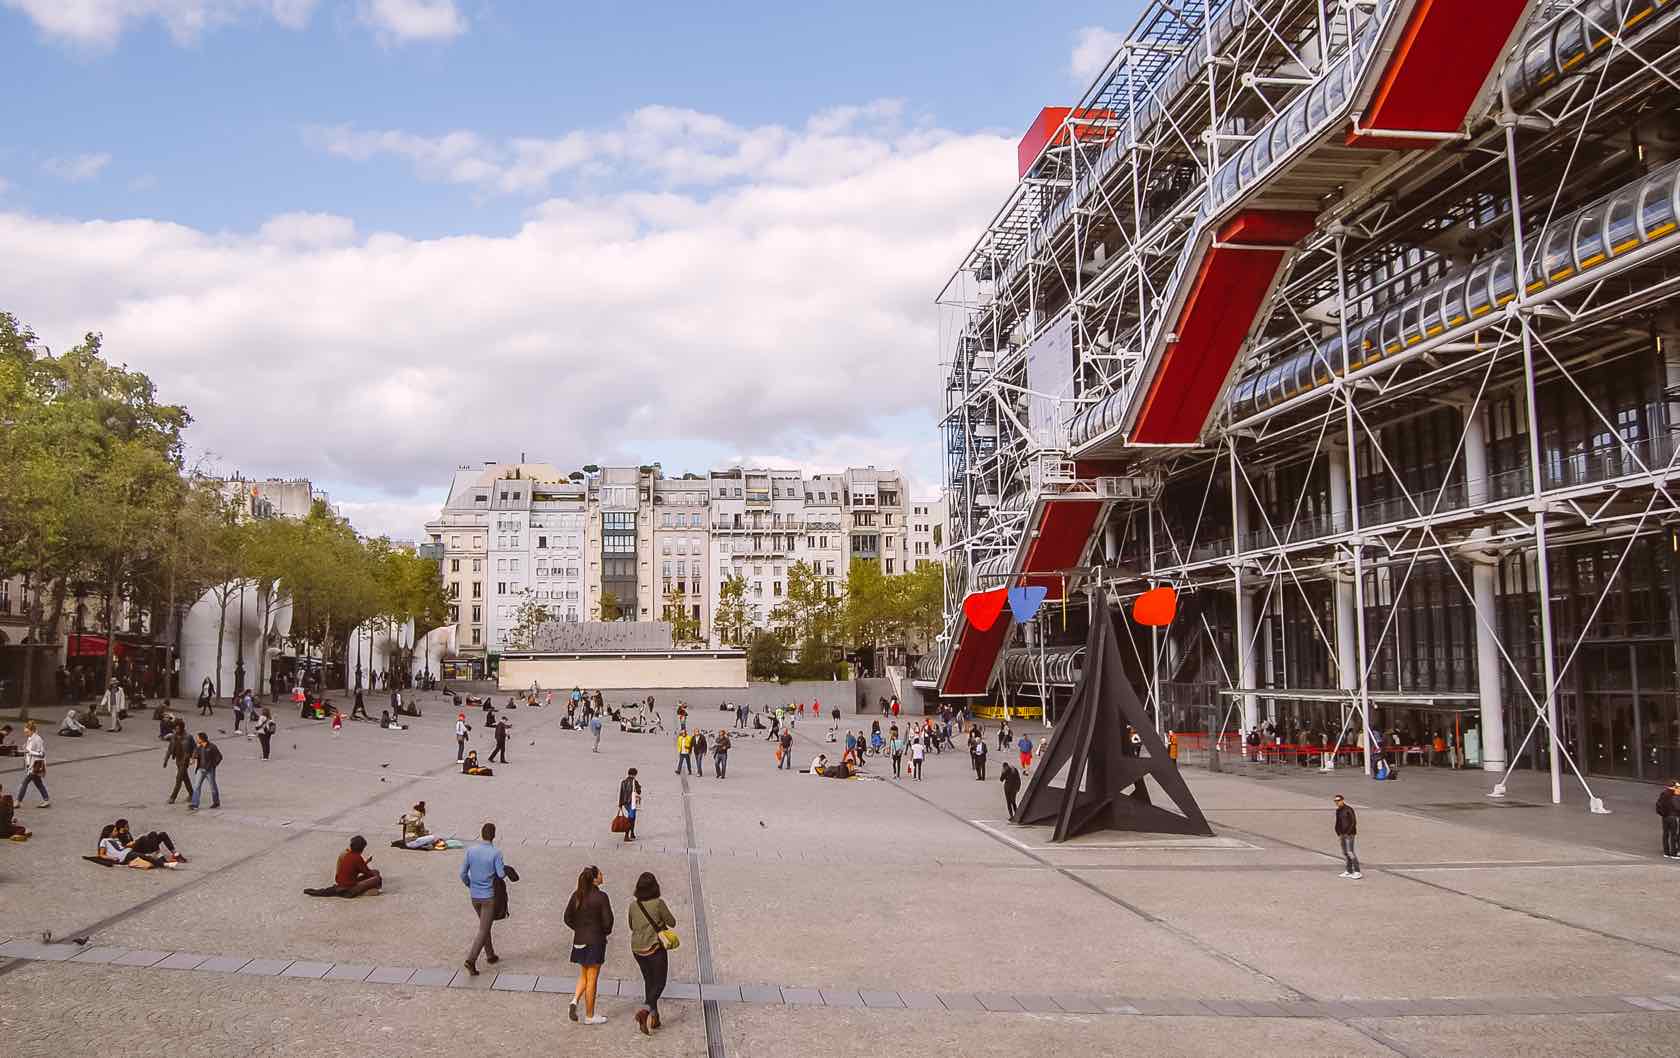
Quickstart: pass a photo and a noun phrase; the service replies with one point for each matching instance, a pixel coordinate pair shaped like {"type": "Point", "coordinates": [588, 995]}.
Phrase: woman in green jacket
{"type": "Point", "coordinates": [648, 916]}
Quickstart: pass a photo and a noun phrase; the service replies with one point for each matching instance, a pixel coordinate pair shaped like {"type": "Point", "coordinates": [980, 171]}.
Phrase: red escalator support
{"type": "Point", "coordinates": [1441, 61]}
{"type": "Point", "coordinates": [1231, 285]}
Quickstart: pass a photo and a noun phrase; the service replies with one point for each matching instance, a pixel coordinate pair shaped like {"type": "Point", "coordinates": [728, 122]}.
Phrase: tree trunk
{"type": "Point", "coordinates": [111, 583]}
{"type": "Point", "coordinates": [221, 632]}
{"type": "Point", "coordinates": [33, 608]}
{"type": "Point", "coordinates": [174, 626]}
{"type": "Point", "coordinates": [262, 644]}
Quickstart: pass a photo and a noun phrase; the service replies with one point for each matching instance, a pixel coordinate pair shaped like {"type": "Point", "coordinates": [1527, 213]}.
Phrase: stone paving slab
{"type": "Point", "coordinates": [675, 989]}
{"type": "Point", "coordinates": [1171, 1007]}
{"type": "Point", "coordinates": [181, 960]}
{"type": "Point", "coordinates": [222, 964]}
{"type": "Point", "coordinates": [960, 1001]}
{"type": "Point", "coordinates": [921, 1000]}
{"type": "Point", "coordinates": [809, 996]}
{"type": "Point", "coordinates": [1039, 1005]}
{"type": "Point", "coordinates": [345, 971]}
{"type": "Point", "coordinates": [264, 967]}
{"type": "Point", "coordinates": [515, 983]}
{"type": "Point", "coordinates": [1230, 1008]}
{"type": "Point", "coordinates": [303, 968]}
{"type": "Point", "coordinates": [433, 977]}
{"type": "Point", "coordinates": [141, 958]}
{"type": "Point", "coordinates": [720, 993]}
{"type": "Point", "coordinates": [1074, 1003]}
{"type": "Point", "coordinates": [761, 994]}
{"type": "Point", "coordinates": [998, 1001]}
{"type": "Point", "coordinates": [463, 979]}
{"type": "Point", "coordinates": [390, 975]}
{"type": "Point", "coordinates": [882, 1000]}
{"type": "Point", "coordinates": [554, 985]}
{"type": "Point", "coordinates": [100, 955]}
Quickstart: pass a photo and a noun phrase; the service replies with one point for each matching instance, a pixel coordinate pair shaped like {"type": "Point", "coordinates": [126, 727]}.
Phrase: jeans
{"type": "Point", "coordinates": [787, 758]}
{"type": "Point", "coordinates": [486, 912]}
{"type": "Point", "coordinates": [699, 763]}
{"type": "Point", "coordinates": [655, 966]}
{"type": "Point", "coordinates": [597, 740]}
{"type": "Point", "coordinates": [720, 763]}
{"type": "Point", "coordinates": [460, 750]}
{"type": "Point", "coordinates": [40, 784]}
{"type": "Point", "coordinates": [898, 765]}
{"type": "Point", "coordinates": [501, 747]}
{"type": "Point", "coordinates": [1671, 835]}
{"type": "Point", "coordinates": [264, 739]}
{"type": "Point", "coordinates": [206, 775]}
{"type": "Point", "coordinates": [1348, 854]}
{"type": "Point", "coordinates": [683, 763]}
{"type": "Point", "coordinates": [183, 781]}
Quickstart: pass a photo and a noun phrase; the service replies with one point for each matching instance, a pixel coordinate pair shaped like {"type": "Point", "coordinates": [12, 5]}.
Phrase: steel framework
{"type": "Point", "coordinates": [1323, 302]}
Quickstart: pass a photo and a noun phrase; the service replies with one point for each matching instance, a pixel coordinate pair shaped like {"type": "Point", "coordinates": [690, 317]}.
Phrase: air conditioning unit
{"type": "Point", "coordinates": [1112, 488]}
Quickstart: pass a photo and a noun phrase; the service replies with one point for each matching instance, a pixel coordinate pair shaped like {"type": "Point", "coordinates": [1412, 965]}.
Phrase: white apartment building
{"type": "Point", "coordinates": [927, 531]}
{"type": "Point", "coordinates": [619, 548]}
{"type": "Point", "coordinates": [682, 547]}
{"type": "Point", "coordinates": [875, 506]}
{"type": "Point", "coordinates": [757, 520]}
{"type": "Point", "coordinates": [825, 537]}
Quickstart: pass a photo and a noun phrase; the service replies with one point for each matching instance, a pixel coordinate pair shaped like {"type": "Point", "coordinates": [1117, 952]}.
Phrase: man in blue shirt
{"type": "Point", "coordinates": [480, 868]}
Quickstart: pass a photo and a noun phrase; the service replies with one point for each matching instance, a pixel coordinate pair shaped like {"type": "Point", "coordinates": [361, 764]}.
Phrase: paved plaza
{"type": "Point", "coordinates": [824, 917]}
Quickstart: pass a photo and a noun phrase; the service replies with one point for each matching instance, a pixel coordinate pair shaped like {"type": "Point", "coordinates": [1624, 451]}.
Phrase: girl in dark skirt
{"type": "Point", "coordinates": [589, 914]}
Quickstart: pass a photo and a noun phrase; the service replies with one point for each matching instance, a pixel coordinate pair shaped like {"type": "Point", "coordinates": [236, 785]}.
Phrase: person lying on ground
{"type": "Point", "coordinates": [119, 845]}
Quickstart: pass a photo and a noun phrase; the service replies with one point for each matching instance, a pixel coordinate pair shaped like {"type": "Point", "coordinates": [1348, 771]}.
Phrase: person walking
{"type": "Point", "coordinates": [630, 801]}
{"type": "Point", "coordinates": [649, 917]}
{"type": "Point", "coordinates": [180, 751]}
{"type": "Point", "coordinates": [685, 743]}
{"type": "Point", "coordinates": [461, 729]}
{"type": "Point", "coordinates": [206, 694]}
{"type": "Point", "coordinates": [1668, 806]}
{"type": "Point", "coordinates": [897, 753]}
{"type": "Point", "coordinates": [501, 741]}
{"type": "Point", "coordinates": [589, 914]}
{"type": "Point", "coordinates": [786, 743]}
{"type": "Point", "coordinates": [34, 765]}
{"type": "Point", "coordinates": [720, 754]}
{"type": "Point", "coordinates": [697, 749]}
{"type": "Point", "coordinates": [113, 702]}
{"type": "Point", "coordinates": [978, 752]}
{"type": "Point", "coordinates": [239, 712]}
{"type": "Point", "coordinates": [265, 730]}
{"type": "Point", "coordinates": [1011, 780]}
{"type": "Point", "coordinates": [918, 753]}
{"type": "Point", "coordinates": [595, 729]}
{"type": "Point", "coordinates": [1025, 747]}
{"type": "Point", "coordinates": [1347, 828]}
{"type": "Point", "coordinates": [480, 868]}
{"type": "Point", "coordinates": [207, 757]}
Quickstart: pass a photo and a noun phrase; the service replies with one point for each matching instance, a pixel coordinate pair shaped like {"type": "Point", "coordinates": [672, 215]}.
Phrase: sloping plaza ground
{"type": "Point", "coordinates": [865, 917]}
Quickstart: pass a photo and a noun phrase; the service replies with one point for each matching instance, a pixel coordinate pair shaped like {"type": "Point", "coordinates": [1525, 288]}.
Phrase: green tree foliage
{"type": "Point", "coordinates": [766, 656]}
{"type": "Point", "coordinates": [685, 627]}
{"type": "Point", "coordinates": [526, 620]}
{"type": "Point", "coordinates": [608, 608]}
{"type": "Point", "coordinates": [735, 616]}
{"type": "Point", "coordinates": [809, 620]}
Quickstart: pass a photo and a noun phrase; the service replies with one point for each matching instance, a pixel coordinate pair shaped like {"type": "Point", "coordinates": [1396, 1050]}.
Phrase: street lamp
{"type": "Point", "coordinates": [239, 645]}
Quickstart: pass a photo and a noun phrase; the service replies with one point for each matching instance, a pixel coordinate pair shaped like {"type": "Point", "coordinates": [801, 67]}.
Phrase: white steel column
{"type": "Point", "coordinates": [1248, 668]}
{"type": "Point", "coordinates": [1347, 656]}
{"type": "Point", "coordinates": [1350, 471]}
{"type": "Point", "coordinates": [1484, 569]}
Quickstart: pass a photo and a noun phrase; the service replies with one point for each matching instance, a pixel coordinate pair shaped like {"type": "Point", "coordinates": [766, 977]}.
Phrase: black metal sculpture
{"type": "Point", "coordinates": [1091, 739]}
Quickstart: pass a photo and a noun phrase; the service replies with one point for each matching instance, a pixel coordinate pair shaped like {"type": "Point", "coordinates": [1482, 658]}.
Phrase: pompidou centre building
{"type": "Point", "coordinates": [1355, 323]}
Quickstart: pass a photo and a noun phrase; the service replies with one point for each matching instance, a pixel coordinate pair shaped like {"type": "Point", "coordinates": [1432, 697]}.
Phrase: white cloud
{"type": "Point", "coordinates": [405, 20]}
{"type": "Point", "coordinates": [673, 145]}
{"type": "Point", "coordinates": [1093, 46]}
{"type": "Point", "coordinates": [78, 169]}
{"type": "Point", "coordinates": [787, 310]}
{"type": "Point", "coordinates": [101, 23]}
{"type": "Point", "coordinates": [401, 521]}
{"type": "Point", "coordinates": [5, 185]}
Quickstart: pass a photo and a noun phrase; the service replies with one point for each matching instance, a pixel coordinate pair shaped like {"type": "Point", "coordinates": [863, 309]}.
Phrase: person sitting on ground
{"type": "Point", "coordinates": [119, 845]}
{"type": "Point", "coordinates": [71, 727]}
{"type": "Point", "coordinates": [758, 723]}
{"type": "Point", "coordinates": [818, 763]}
{"type": "Point", "coordinates": [389, 723]}
{"type": "Point", "coordinates": [470, 765]}
{"type": "Point", "coordinates": [354, 876]}
{"type": "Point", "coordinates": [416, 835]}
{"type": "Point", "coordinates": [8, 747]}
{"type": "Point", "coordinates": [10, 828]}
{"type": "Point", "coordinates": [843, 770]}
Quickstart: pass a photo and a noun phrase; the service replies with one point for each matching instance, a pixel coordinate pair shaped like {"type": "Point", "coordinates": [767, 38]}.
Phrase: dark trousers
{"type": "Point", "coordinates": [182, 782]}
{"type": "Point", "coordinates": [264, 739]}
{"type": "Point", "coordinates": [149, 844]}
{"type": "Point", "coordinates": [501, 747]}
{"type": "Point", "coordinates": [898, 765]}
{"type": "Point", "coordinates": [1671, 835]}
{"type": "Point", "coordinates": [23, 788]}
{"type": "Point", "coordinates": [486, 912]}
{"type": "Point", "coordinates": [979, 767]}
{"type": "Point", "coordinates": [699, 763]}
{"type": "Point", "coordinates": [655, 967]}
{"type": "Point", "coordinates": [720, 763]}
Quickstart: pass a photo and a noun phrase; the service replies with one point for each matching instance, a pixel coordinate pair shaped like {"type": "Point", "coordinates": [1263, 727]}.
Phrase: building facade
{"type": "Point", "coordinates": [1399, 427]}
{"type": "Point", "coordinates": [927, 532]}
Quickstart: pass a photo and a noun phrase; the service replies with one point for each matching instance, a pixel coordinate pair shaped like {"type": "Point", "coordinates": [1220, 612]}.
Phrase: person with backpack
{"type": "Point", "coordinates": [265, 730]}
{"type": "Point", "coordinates": [207, 757]}
{"type": "Point", "coordinates": [650, 921]}
{"type": "Point", "coordinates": [1347, 828]}
{"type": "Point", "coordinates": [1668, 807]}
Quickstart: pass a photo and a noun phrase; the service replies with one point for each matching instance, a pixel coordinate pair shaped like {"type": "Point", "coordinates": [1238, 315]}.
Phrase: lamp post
{"type": "Point", "coordinates": [239, 645]}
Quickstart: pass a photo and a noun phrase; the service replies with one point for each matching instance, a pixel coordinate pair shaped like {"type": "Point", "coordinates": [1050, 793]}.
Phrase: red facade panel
{"type": "Point", "coordinates": [1046, 130]}
{"type": "Point", "coordinates": [1441, 61]}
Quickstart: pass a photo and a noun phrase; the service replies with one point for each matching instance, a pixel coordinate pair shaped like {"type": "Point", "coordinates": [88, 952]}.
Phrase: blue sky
{"type": "Point", "coordinates": [260, 200]}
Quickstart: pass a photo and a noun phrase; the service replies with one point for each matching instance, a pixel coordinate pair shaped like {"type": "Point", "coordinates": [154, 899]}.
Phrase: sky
{"type": "Point", "coordinates": [366, 241]}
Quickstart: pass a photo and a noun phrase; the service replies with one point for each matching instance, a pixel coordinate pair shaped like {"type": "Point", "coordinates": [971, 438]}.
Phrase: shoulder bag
{"type": "Point", "coordinates": [667, 937]}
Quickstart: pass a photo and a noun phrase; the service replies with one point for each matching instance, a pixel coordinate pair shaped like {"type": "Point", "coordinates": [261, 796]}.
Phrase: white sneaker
{"type": "Point", "coordinates": [1356, 875]}
{"type": "Point", "coordinates": [1345, 874]}
{"type": "Point", "coordinates": [599, 1019]}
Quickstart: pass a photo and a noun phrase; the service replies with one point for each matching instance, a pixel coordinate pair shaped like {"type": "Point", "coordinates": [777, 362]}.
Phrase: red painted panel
{"type": "Point", "coordinates": [1229, 290]}
{"type": "Point", "coordinates": [1064, 530]}
{"type": "Point", "coordinates": [1442, 59]}
{"type": "Point", "coordinates": [976, 655]}
{"type": "Point", "coordinates": [1047, 129]}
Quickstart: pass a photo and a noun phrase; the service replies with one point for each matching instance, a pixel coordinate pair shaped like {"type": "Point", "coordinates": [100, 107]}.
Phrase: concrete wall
{"type": "Point", "coordinates": [871, 689]}
{"type": "Point", "coordinates": [703, 700]}
{"type": "Point", "coordinates": [610, 673]}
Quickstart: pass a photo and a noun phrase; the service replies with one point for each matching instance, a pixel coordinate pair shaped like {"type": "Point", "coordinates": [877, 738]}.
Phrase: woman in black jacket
{"type": "Point", "coordinates": [589, 914]}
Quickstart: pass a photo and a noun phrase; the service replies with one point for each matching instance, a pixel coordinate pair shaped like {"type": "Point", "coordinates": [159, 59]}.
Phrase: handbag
{"type": "Point", "coordinates": [667, 937]}
{"type": "Point", "coordinates": [620, 823]}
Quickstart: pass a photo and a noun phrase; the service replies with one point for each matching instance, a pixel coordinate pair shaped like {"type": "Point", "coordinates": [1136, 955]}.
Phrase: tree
{"type": "Point", "coordinates": [871, 614]}
{"type": "Point", "coordinates": [526, 620]}
{"type": "Point", "coordinates": [734, 616]}
{"type": "Point", "coordinates": [766, 656]}
{"type": "Point", "coordinates": [607, 608]}
{"type": "Point", "coordinates": [685, 627]}
{"type": "Point", "coordinates": [921, 602]}
{"type": "Point", "coordinates": [809, 620]}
